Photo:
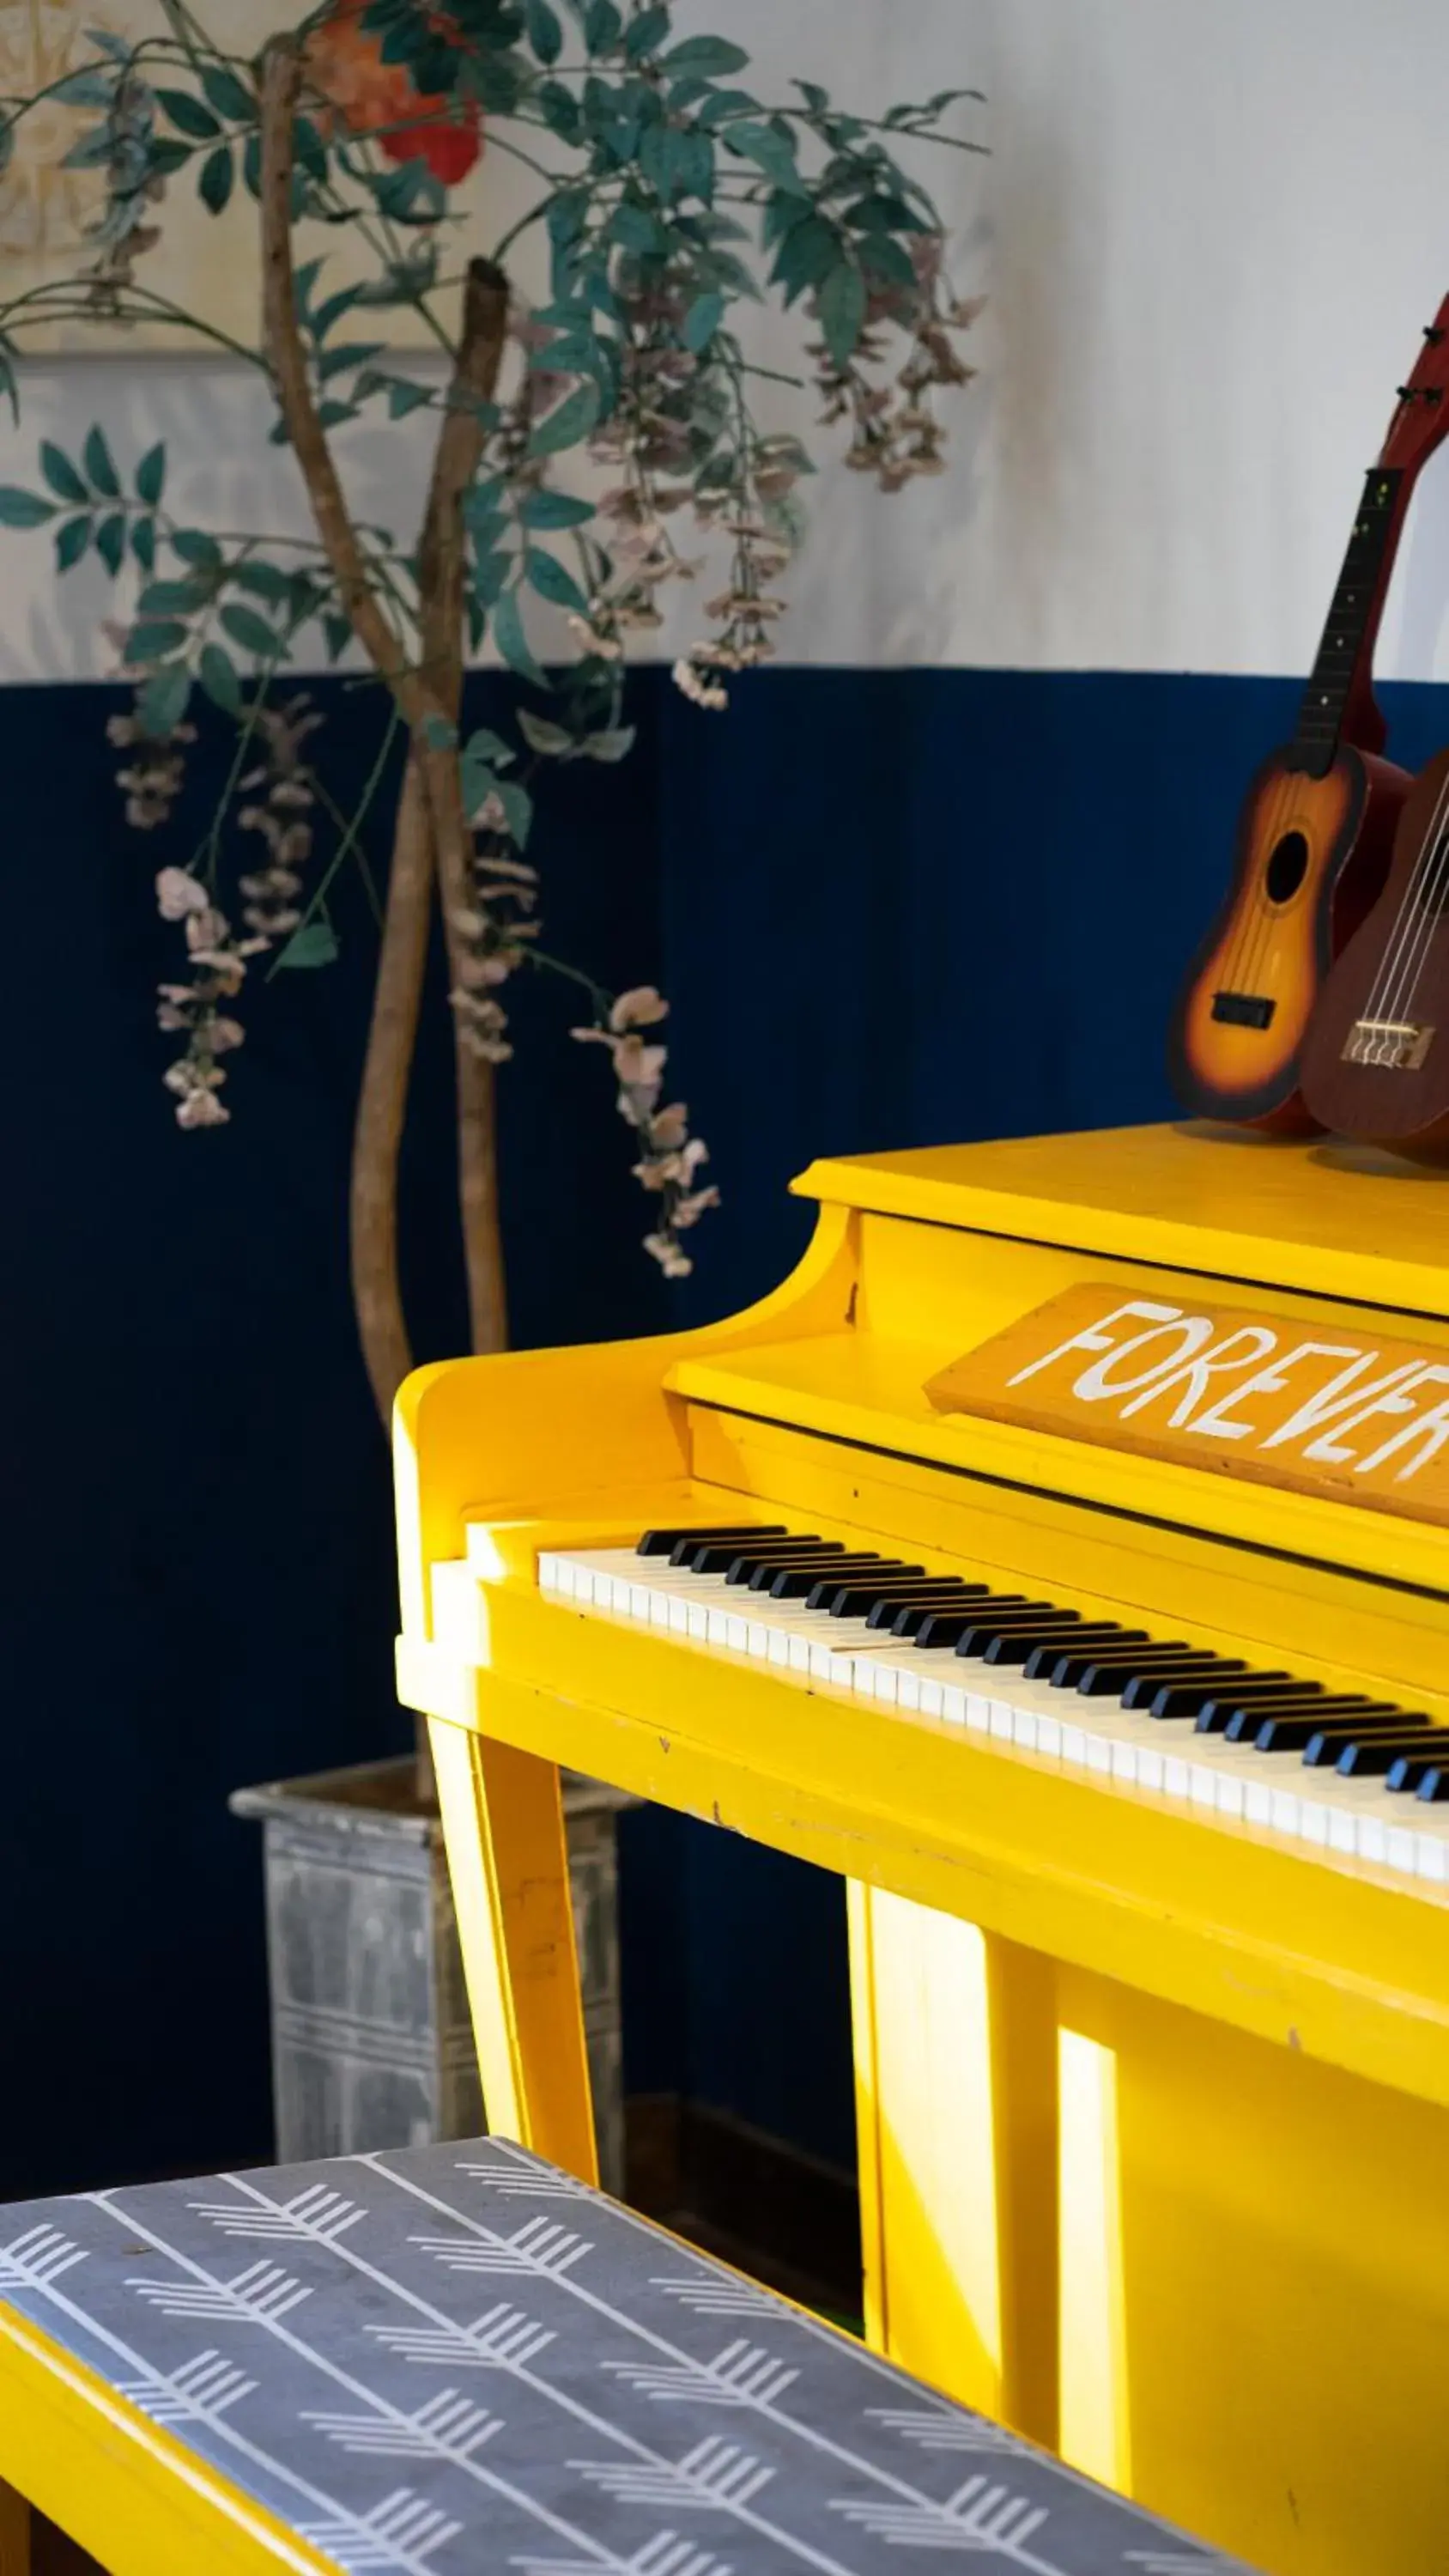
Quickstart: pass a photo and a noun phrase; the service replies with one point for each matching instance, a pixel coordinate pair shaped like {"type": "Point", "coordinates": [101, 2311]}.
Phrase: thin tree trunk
{"type": "Point", "coordinates": [382, 1099]}
{"type": "Point", "coordinates": [442, 567]}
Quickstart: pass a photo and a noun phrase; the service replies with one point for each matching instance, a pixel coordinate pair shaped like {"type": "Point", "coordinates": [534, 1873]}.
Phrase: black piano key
{"type": "Point", "coordinates": [1370, 1756]}
{"type": "Point", "coordinates": [992, 1620]}
{"type": "Point", "coordinates": [1107, 1676]}
{"type": "Point", "coordinates": [1434, 1786]}
{"type": "Point", "coordinates": [1128, 1656]}
{"type": "Point", "coordinates": [793, 1582]}
{"type": "Point", "coordinates": [1407, 1769]}
{"type": "Point", "coordinates": [710, 1557]}
{"type": "Point", "coordinates": [760, 1574]}
{"type": "Point", "coordinates": [854, 1597]}
{"type": "Point", "coordinates": [737, 1564]}
{"type": "Point", "coordinates": [1014, 1645]}
{"type": "Point", "coordinates": [945, 1626]}
{"type": "Point", "coordinates": [905, 1618]}
{"type": "Point", "coordinates": [1243, 1723]}
{"type": "Point", "coordinates": [1189, 1699]}
{"type": "Point", "coordinates": [1104, 1634]}
{"type": "Point", "coordinates": [663, 1542]}
{"type": "Point", "coordinates": [1326, 1742]}
{"type": "Point", "coordinates": [901, 1599]}
{"type": "Point", "coordinates": [1298, 1730]}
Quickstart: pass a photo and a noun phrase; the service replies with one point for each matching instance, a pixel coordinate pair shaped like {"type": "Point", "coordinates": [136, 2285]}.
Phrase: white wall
{"type": "Point", "coordinates": [1209, 233]}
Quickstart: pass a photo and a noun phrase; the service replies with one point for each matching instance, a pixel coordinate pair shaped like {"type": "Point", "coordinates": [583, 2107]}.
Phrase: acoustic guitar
{"type": "Point", "coordinates": [1376, 1064]}
{"type": "Point", "coordinates": [1317, 828]}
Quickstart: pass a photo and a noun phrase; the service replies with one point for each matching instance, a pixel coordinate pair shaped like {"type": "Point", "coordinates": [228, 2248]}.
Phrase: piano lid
{"type": "Point", "coordinates": [1333, 1219]}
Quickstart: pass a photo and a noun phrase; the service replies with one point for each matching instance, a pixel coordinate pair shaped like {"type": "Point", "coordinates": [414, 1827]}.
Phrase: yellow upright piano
{"type": "Point", "coordinates": [1062, 1556]}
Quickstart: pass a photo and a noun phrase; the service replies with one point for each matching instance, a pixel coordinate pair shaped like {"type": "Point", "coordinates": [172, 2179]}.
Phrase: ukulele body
{"type": "Point", "coordinates": [1312, 856]}
{"type": "Point", "coordinates": [1376, 1065]}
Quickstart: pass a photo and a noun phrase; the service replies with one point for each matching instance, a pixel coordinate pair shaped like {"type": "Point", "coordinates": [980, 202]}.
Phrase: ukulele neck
{"type": "Point", "coordinates": [1338, 703]}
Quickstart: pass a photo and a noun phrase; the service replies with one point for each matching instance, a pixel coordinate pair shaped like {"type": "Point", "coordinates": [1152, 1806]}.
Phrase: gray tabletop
{"type": "Point", "coordinates": [452, 2358]}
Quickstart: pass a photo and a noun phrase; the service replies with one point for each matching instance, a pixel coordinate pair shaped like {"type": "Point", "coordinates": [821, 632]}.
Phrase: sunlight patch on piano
{"type": "Point", "coordinates": [1095, 2431]}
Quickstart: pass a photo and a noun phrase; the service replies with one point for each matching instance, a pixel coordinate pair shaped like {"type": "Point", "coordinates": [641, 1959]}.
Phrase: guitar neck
{"type": "Point", "coordinates": [1338, 703]}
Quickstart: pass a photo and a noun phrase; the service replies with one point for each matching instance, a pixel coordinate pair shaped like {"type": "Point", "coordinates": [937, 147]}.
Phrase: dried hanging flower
{"type": "Point", "coordinates": [218, 963]}
{"type": "Point", "coordinates": [271, 891]}
{"type": "Point", "coordinates": [669, 1157]}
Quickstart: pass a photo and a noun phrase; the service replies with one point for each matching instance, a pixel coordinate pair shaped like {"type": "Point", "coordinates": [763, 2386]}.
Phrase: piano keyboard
{"type": "Point", "coordinates": [1346, 1773]}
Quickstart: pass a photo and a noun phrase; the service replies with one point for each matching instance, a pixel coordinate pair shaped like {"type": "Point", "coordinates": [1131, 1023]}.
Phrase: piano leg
{"type": "Point", "coordinates": [956, 2091]}
{"type": "Point", "coordinates": [508, 1861]}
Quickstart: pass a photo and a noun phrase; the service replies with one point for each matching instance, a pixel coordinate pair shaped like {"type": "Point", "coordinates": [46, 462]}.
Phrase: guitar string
{"type": "Point", "coordinates": [1428, 900]}
{"type": "Point", "coordinates": [1405, 920]}
{"type": "Point", "coordinates": [1399, 961]}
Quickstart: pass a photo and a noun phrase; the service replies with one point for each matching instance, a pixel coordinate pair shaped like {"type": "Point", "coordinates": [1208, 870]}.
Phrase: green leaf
{"type": "Point", "coordinates": [263, 580]}
{"type": "Point", "coordinates": [337, 633]}
{"type": "Point", "coordinates": [615, 743]}
{"type": "Point", "coordinates": [188, 115]}
{"type": "Point", "coordinates": [90, 150]}
{"type": "Point", "coordinates": [646, 33]}
{"type": "Point", "coordinates": [702, 321]}
{"type": "Point", "coordinates": [710, 57]}
{"type": "Point", "coordinates": [885, 258]}
{"type": "Point", "coordinates": [439, 734]}
{"type": "Point", "coordinates": [841, 302]}
{"type": "Point", "coordinates": [164, 699]}
{"type": "Point", "coordinates": [347, 355]}
{"type": "Point", "coordinates": [154, 639]}
{"type": "Point", "coordinates": [229, 96]}
{"type": "Point", "coordinates": [151, 475]}
{"type": "Point", "coordinates": [550, 741]}
{"type": "Point", "coordinates": [554, 510]}
{"type": "Point", "coordinates": [86, 89]}
{"type": "Point", "coordinates": [490, 747]}
{"type": "Point", "coordinates": [403, 397]}
{"type": "Point", "coordinates": [512, 641]}
{"type": "Point", "coordinates": [315, 944]}
{"type": "Point", "coordinates": [100, 465]}
{"type": "Point", "coordinates": [23, 509]}
{"type": "Point", "coordinates": [117, 49]}
{"type": "Point", "coordinates": [544, 32]}
{"type": "Point", "coordinates": [71, 541]}
{"type": "Point", "coordinates": [771, 151]}
{"type": "Point", "coordinates": [568, 422]}
{"type": "Point", "coordinates": [218, 677]}
{"type": "Point", "coordinates": [603, 25]}
{"type": "Point", "coordinates": [807, 254]}
{"type": "Point", "coordinates": [174, 598]}
{"type": "Point", "coordinates": [517, 804]}
{"type": "Point", "coordinates": [251, 632]}
{"type": "Point", "coordinates": [111, 543]}
{"type": "Point", "coordinates": [218, 177]}
{"type": "Point", "coordinates": [59, 472]}
{"type": "Point", "coordinates": [491, 576]}
{"type": "Point", "coordinates": [554, 582]}
{"type": "Point", "coordinates": [194, 546]}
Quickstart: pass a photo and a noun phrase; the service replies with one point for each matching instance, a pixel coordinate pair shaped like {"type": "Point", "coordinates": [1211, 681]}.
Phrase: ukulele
{"type": "Point", "coordinates": [1317, 827]}
{"type": "Point", "coordinates": [1376, 1065]}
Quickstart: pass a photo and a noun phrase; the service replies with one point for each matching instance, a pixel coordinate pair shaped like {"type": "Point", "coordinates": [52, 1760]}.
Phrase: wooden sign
{"type": "Point", "coordinates": [1324, 1409]}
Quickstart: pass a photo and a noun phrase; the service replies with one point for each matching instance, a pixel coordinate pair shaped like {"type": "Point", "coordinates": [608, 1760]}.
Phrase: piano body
{"type": "Point", "coordinates": [1151, 2008]}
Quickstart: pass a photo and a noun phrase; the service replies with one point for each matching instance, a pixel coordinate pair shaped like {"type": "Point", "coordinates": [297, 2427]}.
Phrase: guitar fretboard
{"type": "Point", "coordinates": [1352, 619]}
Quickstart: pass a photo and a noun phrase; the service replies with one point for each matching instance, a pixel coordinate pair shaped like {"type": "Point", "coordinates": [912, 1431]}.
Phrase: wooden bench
{"type": "Point", "coordinates": [457, 2359]}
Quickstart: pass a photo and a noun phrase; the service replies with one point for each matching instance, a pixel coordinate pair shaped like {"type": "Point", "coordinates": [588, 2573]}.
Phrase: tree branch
{"type": "Point", "coordinates": [429, 705]}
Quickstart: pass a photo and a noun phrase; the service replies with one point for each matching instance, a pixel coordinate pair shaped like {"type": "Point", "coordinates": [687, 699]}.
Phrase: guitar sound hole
{"type": "Point", "coordinates": [1287, 867]}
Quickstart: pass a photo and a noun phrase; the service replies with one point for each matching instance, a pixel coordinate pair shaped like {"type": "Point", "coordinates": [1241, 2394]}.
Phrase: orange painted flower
{"type": "Point", "coordinates": [344, 61]}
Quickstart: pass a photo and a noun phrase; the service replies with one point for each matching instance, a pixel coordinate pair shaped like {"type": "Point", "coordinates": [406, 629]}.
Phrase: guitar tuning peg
{"type": "Point", "coordinates": [1407, 393]}
{"type": "Point", "coordinates": [1432, 335]}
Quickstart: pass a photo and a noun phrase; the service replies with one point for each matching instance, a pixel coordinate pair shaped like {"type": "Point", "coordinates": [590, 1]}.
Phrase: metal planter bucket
{"type": "Point", "coordinates": [372, 2045]}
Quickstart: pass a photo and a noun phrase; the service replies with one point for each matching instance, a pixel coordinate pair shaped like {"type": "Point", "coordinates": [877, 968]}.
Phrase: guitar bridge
{"type": "Point", "coordinates": [1399, 1045]}
{"type": "Point", "coordinates": [1244, 1010]}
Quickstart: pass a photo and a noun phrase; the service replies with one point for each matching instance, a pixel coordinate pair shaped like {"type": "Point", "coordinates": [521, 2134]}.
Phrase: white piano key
{"type": "Point", "coordinates": [1326, 1813]}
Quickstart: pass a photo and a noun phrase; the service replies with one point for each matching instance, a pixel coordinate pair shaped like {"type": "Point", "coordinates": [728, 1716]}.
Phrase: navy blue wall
{"type": "Point", "coordinates": [890, 909]}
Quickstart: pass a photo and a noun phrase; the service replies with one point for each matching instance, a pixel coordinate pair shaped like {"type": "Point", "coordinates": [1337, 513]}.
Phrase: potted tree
{"type": "Point", "coordinates": [587, 391]}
